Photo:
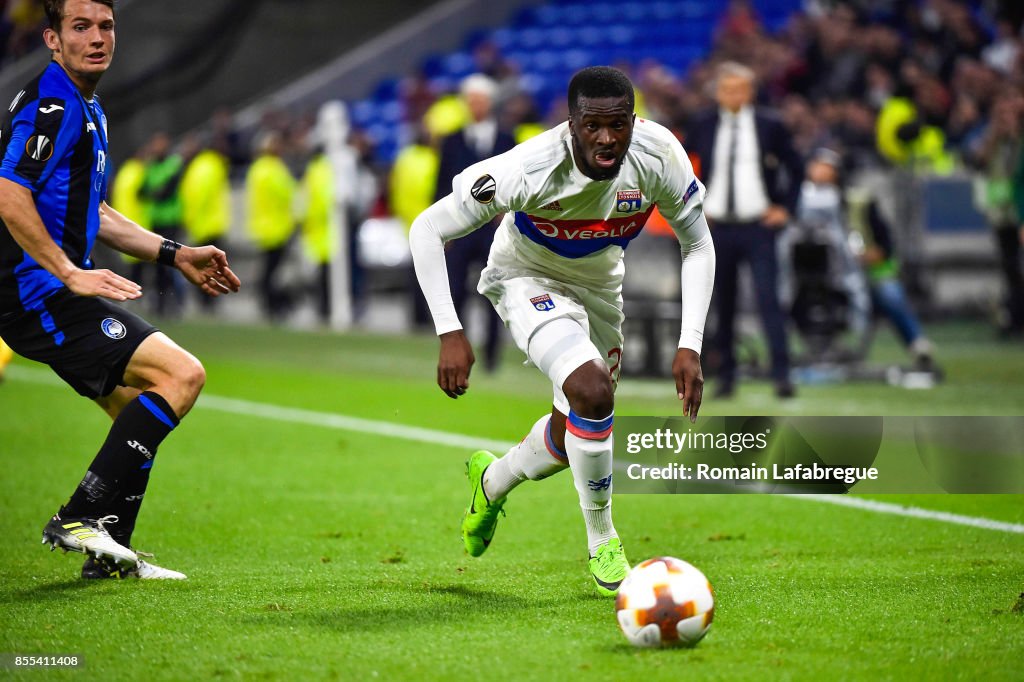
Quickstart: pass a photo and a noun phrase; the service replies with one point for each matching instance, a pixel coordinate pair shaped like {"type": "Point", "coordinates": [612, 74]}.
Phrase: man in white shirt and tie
{"type": "Point", "coordinates": [753, 178]}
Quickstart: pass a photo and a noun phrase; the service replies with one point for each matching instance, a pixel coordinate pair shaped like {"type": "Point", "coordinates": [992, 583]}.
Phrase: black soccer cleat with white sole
{"type": "Point", "coordinates": [88, 536]}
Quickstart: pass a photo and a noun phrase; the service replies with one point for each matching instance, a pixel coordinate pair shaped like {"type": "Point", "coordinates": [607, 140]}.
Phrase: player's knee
{"type": "Point", "coordinates": [192, 376]}
{"type": "Point", "coordinates": [597, 401]}
{"type": "Point", "coordinates": [590, 391]}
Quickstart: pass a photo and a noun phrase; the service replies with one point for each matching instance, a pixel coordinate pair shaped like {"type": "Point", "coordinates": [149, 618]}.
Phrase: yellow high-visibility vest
{"type": "Point", "coordinates": [126, 196]}
{"type": "Point", "coordinates": [206, 197]}
{"type": "Point", "coordinates": [413, 181]}
{"type": "Point", "coordinates": [270, 198]}
{"type": "Point", "coordinates": [927, 152]}
{"type": "Point", "coordinates": [320, 223]}
{"type": "Point", "coordinates": [445, 116]}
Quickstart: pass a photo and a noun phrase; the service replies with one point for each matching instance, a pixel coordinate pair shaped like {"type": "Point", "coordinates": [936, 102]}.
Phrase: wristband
{"type": "Point", "coordinates": [165, 256]}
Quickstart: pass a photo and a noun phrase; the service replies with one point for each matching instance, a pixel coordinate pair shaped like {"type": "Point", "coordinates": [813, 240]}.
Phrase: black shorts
{"type": "Point", "coordinates": [86, 341]}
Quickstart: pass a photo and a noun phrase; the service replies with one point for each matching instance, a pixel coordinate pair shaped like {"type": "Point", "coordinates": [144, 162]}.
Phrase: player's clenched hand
{"type": "Point", "coordinates": [207, 268]}
{"type": "Point", "coordinates": [454, 363]}
{"type": "Point", "coordinates": [104, 283]}
{"type": "Point", "coordinates": [689, 381]}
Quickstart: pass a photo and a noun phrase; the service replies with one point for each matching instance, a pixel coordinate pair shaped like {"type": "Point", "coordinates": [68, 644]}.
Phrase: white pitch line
{"type": "Point", "coordinates": [914, 512]}
{"type": "Point", "coordinates": [248, 408]}
{"type": "Point", "coordinates": [295, 415]}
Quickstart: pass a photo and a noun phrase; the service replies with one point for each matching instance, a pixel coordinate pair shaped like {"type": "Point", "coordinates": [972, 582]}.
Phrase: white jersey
{"type": "Point", "coordinates": [565, 225]}
{"type": "Point", "coordinates": [560, 244]}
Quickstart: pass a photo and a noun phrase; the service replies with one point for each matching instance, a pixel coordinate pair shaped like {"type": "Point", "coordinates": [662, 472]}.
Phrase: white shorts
{"type": "Point", "coordinates": [527, 303]}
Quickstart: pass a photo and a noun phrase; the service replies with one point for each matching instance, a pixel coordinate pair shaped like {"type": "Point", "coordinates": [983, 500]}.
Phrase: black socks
{"type": "Point", "coordinates": [117, 478]}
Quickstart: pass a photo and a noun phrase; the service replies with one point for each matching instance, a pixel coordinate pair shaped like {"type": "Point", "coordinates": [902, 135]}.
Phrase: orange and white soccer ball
{"type": "Point", "coordinates": [665, 602]}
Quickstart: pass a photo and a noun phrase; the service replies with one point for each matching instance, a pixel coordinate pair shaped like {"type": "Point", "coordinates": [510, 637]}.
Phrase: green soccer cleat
{"type": "Point", "coordinates": [482, 514]}
{"type": "Point", "coordinates": [609, 567]}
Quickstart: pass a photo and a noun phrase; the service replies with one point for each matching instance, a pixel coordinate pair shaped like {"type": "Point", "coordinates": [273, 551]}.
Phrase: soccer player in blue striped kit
{"type": "Point", "coordinates": [55, 308]}
{"type": "Point", "coordinates": [572, 199]}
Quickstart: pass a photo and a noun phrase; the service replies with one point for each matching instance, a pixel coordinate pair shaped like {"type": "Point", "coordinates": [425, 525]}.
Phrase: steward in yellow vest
{"type": "Point", "coordinates": [320, 227]}
{"type": "Point", "coordinates": [270, 201]}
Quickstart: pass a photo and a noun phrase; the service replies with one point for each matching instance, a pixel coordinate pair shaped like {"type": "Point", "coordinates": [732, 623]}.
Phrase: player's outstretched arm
{"type": "Point", "coordinates": [18, 211]}
{"type": "Point", "coordinates": [427, 237]}
{"type": "Point", "coordinates": [204, 266]}
{"type": "Point", "coordinates": [698, 278]}
{"type": "Point", "coordinates": [681, 202]}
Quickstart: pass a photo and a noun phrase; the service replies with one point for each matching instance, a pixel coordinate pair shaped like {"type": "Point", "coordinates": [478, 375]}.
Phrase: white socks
{"type": "Point", "coordinates": [588, 443]}
{"type": "Point", "coordinates": [534, 458]}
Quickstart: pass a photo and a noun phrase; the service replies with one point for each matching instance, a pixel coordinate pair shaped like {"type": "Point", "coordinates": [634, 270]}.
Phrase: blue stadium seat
{"type": "Point", "coordinates": [547, 15]}
{"type": "Point", "coordinates": [552, 41]}
{"type": "Point", "coordinates": [442, 84]}
{"type": "Point", "coordinates": [386, 90]}
{"type": "Point", "coordinates": [391, 112]}
{"type": "Point", "coordinates": [504, 38]}
{"type": "Point", "coordinates": [363, 112]}
{"type": "Point", "coordinates": [458, 64]}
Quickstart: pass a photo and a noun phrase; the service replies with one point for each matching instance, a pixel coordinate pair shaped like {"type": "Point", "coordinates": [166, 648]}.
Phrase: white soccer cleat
{"type": "Point", "coordinates": [147, 571]}
{"type": "Point", "coordinates": [143, 570]}
{"type": "Point", "coordinates": [88, 536]}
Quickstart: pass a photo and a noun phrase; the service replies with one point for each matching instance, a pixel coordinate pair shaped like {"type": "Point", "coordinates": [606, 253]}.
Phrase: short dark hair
{"type": "Point", "coordinates": [55, 11]}
{"type": "Point", "coordinates": [599, 81]}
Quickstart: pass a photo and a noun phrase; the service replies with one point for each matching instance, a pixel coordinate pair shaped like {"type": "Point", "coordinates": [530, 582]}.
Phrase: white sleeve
{"type": "Point", "coordinates": [698, 278]}
{"type": "Point", "coordinates": [431, 230]}
{"type": "Point", "coordinates": [680, 196]}
{"type": "Point", "coordinates": [479, 193]}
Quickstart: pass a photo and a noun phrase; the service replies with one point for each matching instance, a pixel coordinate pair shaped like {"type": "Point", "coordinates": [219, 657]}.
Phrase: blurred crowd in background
{"type": "Point", "coordinates": [21, 23]}
{"type": "Point", "coordinates": [925, 88]}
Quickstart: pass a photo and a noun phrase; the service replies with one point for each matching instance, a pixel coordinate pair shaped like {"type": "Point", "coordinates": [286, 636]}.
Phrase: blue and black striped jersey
{"type": "Point", "coordinates": [53, 142]}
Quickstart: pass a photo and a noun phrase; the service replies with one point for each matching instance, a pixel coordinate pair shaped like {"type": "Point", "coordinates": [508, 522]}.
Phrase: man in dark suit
{"type": "Point", "coordinates": [480, 139]}
{"type": "Point", "coordinates": [753, 178]}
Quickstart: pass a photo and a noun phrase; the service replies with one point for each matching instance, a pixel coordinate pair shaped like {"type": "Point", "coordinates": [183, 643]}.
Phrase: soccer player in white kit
{"type": "Point", "coordinates": [573, 198]}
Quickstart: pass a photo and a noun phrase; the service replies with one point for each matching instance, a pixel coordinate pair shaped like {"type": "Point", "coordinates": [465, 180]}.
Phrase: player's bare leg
{"type": "Point", "coordinates": [163, 384]}
{"type": "Point", "coordinates": [115, 402]}
{"type": "Point", "coordinates": [162, 366]}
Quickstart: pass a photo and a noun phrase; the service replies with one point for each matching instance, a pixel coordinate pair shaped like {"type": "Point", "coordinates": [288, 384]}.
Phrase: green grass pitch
{"type": "Point", "coordinates": [320, 552]}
